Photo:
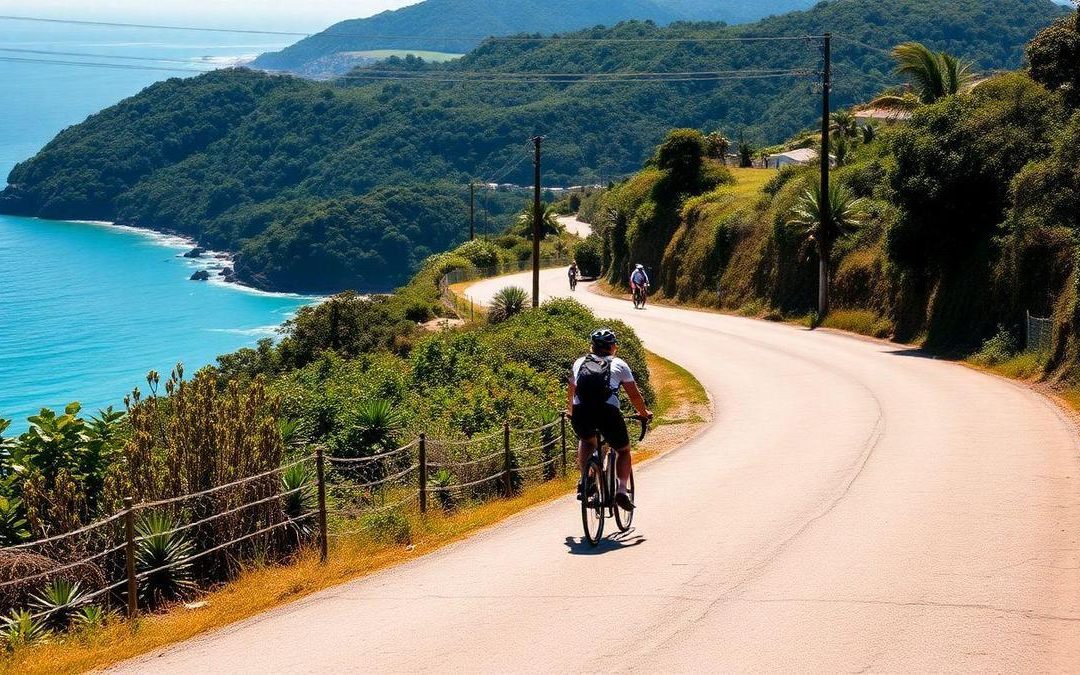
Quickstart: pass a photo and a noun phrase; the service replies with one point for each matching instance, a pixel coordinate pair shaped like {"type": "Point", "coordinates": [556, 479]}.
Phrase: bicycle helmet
{"type": "Point", "coordinates": [605, 337]}
{"type": "Point", "coordinates": [640, 266]}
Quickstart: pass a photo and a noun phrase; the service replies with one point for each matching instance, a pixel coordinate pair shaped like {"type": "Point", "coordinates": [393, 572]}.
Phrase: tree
{"type": "Point", "coordinates": [844, 124]}
{"type": "Point", "coordinates": [846, 213]}
{"type": "Point", "coordinates": [1054, 55]}
{"type": "Point", "coordinates": [934, 76]}
{"type": "Point", "coordinates": [549, 223]}
{"type": "Point", "coordinates": [746, 156]}
{"type": "Point", "coordinates": [716, 146]}
{"type": "Point", "coordinates": [681, 153]}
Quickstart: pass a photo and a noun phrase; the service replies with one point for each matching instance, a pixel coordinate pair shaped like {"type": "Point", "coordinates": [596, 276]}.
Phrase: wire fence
{"type": "Point", "coordinates": [1038, 334]}
{"type": "Point", "coordinates": [309, 500]}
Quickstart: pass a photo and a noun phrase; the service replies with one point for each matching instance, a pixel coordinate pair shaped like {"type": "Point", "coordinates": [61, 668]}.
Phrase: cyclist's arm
{"type": "Point", "coordinates": [636, 398]}
{"type": "Point", "coordinates": [571, 389]}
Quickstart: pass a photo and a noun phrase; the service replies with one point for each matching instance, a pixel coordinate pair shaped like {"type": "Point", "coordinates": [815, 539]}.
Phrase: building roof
{"type": "Point", "coordinates": [885, 114]}
{"type": "Point", "coordinates": [799, 155]}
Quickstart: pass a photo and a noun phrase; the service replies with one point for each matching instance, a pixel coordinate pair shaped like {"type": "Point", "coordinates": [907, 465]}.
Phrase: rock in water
{"type": "Point", "coordinates": [196, 252]}
{"type": "Point", "coordinates": [201, 275]}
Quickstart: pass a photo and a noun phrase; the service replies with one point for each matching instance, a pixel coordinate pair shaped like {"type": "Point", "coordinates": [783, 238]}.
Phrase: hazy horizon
{"type": "Point", "coordinates": [254, 14]}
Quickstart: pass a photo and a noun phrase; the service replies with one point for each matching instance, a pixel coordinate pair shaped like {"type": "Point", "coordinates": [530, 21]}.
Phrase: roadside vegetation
{"type": "Point", "coordinates": [960, 221]}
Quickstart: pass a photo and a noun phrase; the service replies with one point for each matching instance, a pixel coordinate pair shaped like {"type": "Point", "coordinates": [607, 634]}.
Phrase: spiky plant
{"type": "Point", "coordinates": [58, 603]}
{"type": "Point", "coordinates": [824, 220]}
{"type": "Point", "coordinates": [298, 486]}
{"type": "Point", "coordinates": [161, 555]}
{"type": "Point", "coordinates": [442, 480]}
{"type": "Point", "coordinates": [507, 303]}
{"type": "Point", "coordinates": [90, 618]}
{"type": "Point", "coordinates": [20, 629]}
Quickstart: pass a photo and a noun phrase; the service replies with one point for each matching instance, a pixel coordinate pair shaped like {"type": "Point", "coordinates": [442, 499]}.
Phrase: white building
{"type": "Point", "coordinates": [884, 116]}
{"type": "Point", "coordinates": [800, 156]}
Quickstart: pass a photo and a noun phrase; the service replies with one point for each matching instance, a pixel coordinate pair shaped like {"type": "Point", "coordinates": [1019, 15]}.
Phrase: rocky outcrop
{"type": "Point", "coordinates": [201, 275]}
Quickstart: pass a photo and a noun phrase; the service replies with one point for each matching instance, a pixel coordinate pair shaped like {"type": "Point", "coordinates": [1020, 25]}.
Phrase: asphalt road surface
{"type": "Point", "coordinates": [854, 506]}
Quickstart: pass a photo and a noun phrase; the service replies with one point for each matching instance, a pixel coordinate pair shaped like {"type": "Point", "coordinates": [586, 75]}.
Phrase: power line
{"type": "Point", "coordinates": [582, 79]}
{"type": "Point", "coordinates": [462, 38]}
{"type": "Point", "coordinates": [46, 52]}
{"type": "Point", "coordinates": [90, 64]}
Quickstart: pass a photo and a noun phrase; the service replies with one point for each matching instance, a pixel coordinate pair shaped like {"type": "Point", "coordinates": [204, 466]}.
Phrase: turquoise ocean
{"type": "Point", "coordinates": [86, 310]}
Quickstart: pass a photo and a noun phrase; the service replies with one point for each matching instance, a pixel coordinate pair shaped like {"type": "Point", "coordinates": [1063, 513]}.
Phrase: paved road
{"type": "Point", "coordinates": [575, 226]}
{"type": "Point", "coordinates": [854, 506]}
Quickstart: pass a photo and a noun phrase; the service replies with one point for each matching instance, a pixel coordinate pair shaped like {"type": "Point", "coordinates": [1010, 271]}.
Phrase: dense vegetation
{"type": "Point", "coordinates": [327, 186]}
{"type": "Point", "coordinates": [969, 219]}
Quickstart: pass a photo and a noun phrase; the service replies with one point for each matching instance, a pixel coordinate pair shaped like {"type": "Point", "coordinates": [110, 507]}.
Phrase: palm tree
{"type": "Point", "coordinates": [845, 214]}
{"type": "Point", "coordinates": [549, 222]}
{"type": "Point", "coordinates": [934, 76]}
{"type": "Point", "coordinates": [844, 124]}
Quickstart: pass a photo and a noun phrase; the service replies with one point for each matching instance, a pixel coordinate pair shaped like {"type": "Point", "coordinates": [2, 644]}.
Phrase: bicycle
{"type": "Point", "coordinates": [641, 295]}
{"type": "Point", "coordinates": [573, 282]}
{"type": "Point", "coordinates": [599, 482]}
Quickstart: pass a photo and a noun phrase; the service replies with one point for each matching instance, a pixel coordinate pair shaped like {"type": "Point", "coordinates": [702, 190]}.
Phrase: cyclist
{"type": "Point", "coordinates": [593, 399]}
{"type": "Point", "coordinates": [573, 274]}
{"type": "Point", "coordinates": [639, 280]}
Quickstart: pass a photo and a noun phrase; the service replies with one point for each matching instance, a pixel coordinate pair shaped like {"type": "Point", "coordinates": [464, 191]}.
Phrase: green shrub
{"type": "Point", "coordinates": [20, 629]}
{"type": "Point", "coordinates": [58, 604]}
{"type": "Point", "coordinates": [997, 349]}
{"type": "Point", "coordinates": [388, 527]}
{"type": "Point", "coordinates": [441, 481]}
{"type": "Point", "coordinates": [589, 255]}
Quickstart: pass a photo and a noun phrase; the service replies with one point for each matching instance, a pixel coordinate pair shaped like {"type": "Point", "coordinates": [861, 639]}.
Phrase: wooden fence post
{"type": "Point", "coordinates": [129, 549]}
{"type": "Point", "coordinates": [563, 434]}
{"type": "Point", "coordinates": [507, 461]}
{"type": "Point", "coordinates": [320, 475]}
{"type": "Point", "coordinates": [423, 473]}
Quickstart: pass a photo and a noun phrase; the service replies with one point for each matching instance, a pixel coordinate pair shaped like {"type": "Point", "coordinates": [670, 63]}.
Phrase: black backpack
{"type": "Point", "coordinates": [594, 381]}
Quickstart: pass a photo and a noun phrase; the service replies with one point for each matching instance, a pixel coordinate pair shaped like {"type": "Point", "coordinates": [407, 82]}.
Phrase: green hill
{"type": "Point", "coordinates": [323, 186]}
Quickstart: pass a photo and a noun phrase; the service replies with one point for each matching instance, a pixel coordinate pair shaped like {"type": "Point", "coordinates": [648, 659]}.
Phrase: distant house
{"type": "Point", "coordinates": [800, 156]}
{"type": "Point", "coordinates": [885, 116]}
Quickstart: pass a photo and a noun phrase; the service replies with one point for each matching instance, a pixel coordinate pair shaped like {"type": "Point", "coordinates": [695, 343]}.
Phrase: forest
{"type": "Point", "coordinates": [328, 186]}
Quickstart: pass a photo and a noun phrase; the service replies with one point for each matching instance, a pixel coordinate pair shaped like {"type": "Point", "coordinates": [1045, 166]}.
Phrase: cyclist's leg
{"type": "Point", "coordinates": [613, 426]}
{"type": "Point", "coordinates": [584, 424]}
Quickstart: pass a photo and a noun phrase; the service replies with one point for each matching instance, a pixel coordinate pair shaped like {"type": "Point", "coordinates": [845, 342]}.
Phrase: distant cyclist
{"type": "Point", "coordinates": [573, 273]}
{"type": "Point", "coordinates": [593, 398]}
{"type": "Point", "coordinates": [639, 285]}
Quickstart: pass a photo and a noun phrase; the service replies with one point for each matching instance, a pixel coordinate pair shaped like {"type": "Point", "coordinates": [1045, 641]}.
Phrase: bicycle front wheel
{"type": "Point", "coordinates": [624, 518]}
{"type": "Point", "coordinates": [592, 504]}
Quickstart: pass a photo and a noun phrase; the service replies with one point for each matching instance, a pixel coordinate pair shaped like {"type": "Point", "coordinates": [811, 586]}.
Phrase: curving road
{"type": "Point", "coordinates": [854, 506]}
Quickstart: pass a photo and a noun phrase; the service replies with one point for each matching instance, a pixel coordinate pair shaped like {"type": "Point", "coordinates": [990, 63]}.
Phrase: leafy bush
{"type": "Point", "coordinates": [298, 484]}
{"type": "Point", "coordinates": [507, 303]}
{"type": "Point", "coordinates": [388, 526]}
{"type": "Point", "coordinates": [997, 349]}
{"type": "Point", "coordinates": [161, 558]}
{"type": "Point", "coordinates": [441, 481]}
{"type": "Point", "coordinates": [589, 255]}
{"type": "Point", "coordinates": [90, 618]}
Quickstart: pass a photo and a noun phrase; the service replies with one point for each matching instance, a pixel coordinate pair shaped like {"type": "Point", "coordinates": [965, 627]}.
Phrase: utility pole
{"type": "Point", "coordinates": [472, 210]}
{"type": "Point", "coordinates": [825, 235]}
{"type": "Point", "coordinates": [538, 217]}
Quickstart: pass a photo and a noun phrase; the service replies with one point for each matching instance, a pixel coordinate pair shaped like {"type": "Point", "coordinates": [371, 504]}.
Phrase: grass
{"type": "Point", "coordinates": [859, 321]}
{"type": "Point", "coordinates": [262, 588]}
{"type": "Point", "coordinates": [433, 57]}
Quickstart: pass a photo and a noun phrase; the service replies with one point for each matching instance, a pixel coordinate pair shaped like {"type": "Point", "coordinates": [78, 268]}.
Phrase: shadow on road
{"type": "Point", "coordinates": [616, 542]}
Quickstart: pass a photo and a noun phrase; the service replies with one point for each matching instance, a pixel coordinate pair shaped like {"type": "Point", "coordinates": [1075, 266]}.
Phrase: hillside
{"type": "Point", "coordinates": [322, 186]}
{"type": "Point", "coordinates": [967, 220]}
{"type": "Point", "coordinates": [454, 26]}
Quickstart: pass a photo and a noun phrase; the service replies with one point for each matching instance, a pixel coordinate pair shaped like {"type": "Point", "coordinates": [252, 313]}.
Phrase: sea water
{"type": "Point", "coordinates": [87, 309]}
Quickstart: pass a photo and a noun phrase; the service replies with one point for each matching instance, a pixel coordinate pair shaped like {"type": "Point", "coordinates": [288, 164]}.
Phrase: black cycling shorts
{"type": "Point", "coordinates": [605, 419]}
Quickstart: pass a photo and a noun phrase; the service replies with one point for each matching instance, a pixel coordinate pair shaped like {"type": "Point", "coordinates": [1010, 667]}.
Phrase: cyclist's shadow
{"type": "Point", "coordinates": [616, 542]}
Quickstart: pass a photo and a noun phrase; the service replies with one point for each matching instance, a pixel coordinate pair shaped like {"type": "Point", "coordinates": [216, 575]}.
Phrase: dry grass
{"type": "Point", "coordinates": [861, 321]}
{"type": "Point", "coordinates": [682, 407]}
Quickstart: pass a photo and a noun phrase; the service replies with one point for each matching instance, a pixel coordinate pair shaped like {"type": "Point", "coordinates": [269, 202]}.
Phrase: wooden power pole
{"type": "Point", "coordinates": [538, 218]}
{"type": "Point", "coordinates": [825, 235]}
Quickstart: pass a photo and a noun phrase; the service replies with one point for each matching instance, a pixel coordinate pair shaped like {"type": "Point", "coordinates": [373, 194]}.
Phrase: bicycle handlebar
{"type": "Point", "coordinates": [644, 425]}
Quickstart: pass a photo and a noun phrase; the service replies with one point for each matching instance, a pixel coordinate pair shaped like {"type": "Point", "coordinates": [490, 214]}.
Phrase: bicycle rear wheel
{"type": "Point", "coordinates": [625, 518]}
{"type": "Point", "coordinates": [592, 503]}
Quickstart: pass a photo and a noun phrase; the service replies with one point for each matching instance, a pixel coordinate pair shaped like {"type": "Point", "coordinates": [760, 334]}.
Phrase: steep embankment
{"type": "Point", "coordinates": [320, 187]}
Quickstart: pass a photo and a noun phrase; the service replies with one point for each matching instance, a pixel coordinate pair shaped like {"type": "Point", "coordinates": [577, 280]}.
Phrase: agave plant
{"type": "Point", "coordinates": [91, 617]}
{"type": "Point", "coordinates": [58, 603]}
{"type": "Point", "coordinates": [442, 480]}
{"type": "Point", "coordinates": [161, 558]}
{"type": "Point", "coordinates": [21, 628]}
{"type": "Point", "coordinates": [507, 303]}
{"type": "Point", "coordinates": [298, 485]}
